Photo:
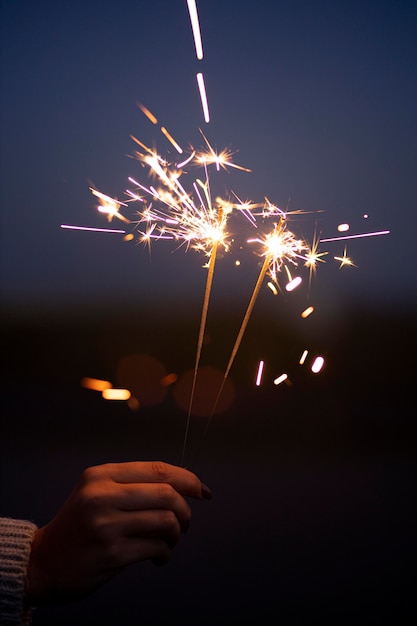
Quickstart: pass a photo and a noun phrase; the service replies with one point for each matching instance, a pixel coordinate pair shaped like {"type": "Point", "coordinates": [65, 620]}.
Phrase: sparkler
{"type": "Point", "coordinates": [280, 247]}
{"type": "Point", "coordinates": [195, 220]}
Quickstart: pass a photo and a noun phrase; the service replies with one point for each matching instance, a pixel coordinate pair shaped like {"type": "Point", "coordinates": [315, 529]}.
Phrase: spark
{"type": "Point", "coordinates": [222, 160]}
{"type": "Point", "coordinates": [203, 96]}
{"type": "Point", "coordinates": [109, 206]}
{"type": "Point", "coordinates": [280, 246]}
{"type": "Point", "coordinates": [192, 8]}
{"type": "Point", "coordinates": [259, 374]}
{"type": "Point", "coordinates": [344, 260]}
{"type": "Point", "coordinates": [313, 256]}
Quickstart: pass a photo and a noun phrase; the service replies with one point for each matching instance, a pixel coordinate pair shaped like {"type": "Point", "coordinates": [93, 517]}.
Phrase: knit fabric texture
{"type": "Point", "coordinates": [16, 538]}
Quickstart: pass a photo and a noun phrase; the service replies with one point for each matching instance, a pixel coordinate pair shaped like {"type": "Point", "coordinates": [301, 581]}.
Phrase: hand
{"type": "Point", "coordinates": [118, 514]}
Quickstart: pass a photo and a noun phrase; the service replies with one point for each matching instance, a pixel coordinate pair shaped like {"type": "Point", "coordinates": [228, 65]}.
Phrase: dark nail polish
{"type": "Point", "coordinates": [206, 492]}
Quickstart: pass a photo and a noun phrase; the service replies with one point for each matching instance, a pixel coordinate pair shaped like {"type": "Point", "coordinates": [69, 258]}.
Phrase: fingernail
{"type": "Point", "coordinates": [206, 492]}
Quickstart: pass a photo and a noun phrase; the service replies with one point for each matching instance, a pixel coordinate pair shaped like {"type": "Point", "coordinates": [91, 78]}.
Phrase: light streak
{"type": "Point", "coordinates": [171, 139]}
{"type": "Point", "coordinates": [360, 235]}
{"type": "Point", "coordinates": [203, 96]}
{"type": "Point", "coordinates": [195, 25]}
{"type": "Point", "coordinates": [259, 374]}
{"type": "Point", "coordinates": [97, 230]}
{"type": "Point", "coordinates": [147, 112]}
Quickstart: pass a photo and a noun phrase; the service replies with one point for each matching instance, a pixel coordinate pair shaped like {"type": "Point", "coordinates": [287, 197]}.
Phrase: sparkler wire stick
{"type": "Point", "coordinates": [203, 320]}
{"type": "Point", "coordinates": [238, 341]}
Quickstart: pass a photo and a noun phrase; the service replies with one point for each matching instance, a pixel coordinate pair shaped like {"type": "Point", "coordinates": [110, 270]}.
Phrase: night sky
{"type": "Point", "coordinates": [317, 99]}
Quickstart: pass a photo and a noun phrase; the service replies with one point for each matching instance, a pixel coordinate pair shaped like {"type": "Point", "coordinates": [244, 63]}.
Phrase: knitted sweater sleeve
{"type": "Point", "coordinates": [16, 538]}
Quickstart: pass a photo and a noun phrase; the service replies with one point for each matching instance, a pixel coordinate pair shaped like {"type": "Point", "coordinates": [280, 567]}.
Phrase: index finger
{"type": "Point", "coordinates": [183, 481]}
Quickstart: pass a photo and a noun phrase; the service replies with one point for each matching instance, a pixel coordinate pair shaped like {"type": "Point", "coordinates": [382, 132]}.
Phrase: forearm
{"type": "Point", "coordinates": [16, 538]}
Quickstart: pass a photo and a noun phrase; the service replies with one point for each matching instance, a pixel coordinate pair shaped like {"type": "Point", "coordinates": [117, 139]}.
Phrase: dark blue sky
{"type": "Point", "coordinates": [319, 99]}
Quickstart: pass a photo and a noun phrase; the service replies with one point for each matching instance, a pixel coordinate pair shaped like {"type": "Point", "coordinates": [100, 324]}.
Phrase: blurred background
{"type": "Point", "coordinates": [314, 481]}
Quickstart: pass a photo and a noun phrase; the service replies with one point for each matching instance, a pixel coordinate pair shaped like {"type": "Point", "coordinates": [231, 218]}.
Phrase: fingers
{"type": "Point", "coordinates": [149, 496]}
{"type": "Point", "coordinates": [183, 481]}
{"type": "Point", "coordinates": [126, 538]}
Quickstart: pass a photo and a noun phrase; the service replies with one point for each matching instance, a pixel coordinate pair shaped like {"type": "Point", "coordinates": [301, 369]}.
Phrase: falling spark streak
{"type": "Point", "coordinates": [259, 374]}
{"type": "Point", "coordinates": [303, 357]}
{"type": "Point", "coordinates": [308, 311]}
{"type": "Point", "coordinates": [375, 234]}
{"type": "Point", "coordinates": [317, 365]}
{"type": "Point", "coordinates": [192, 8]}
{"type": "Point", "coordinates": [97, 230]}
{"type": "Point", "coordinates": [273, 288]}
{"type": "Point", "coordinates": [294, 283]}
{"type": "Point", "coordinates": [171, 140]}
{"type": "Point", "coordinates": [147, 112]}
{"type": "Point", "coordinates": [280, 379]}
{"type": "Point", "coordinates": [203, 96]}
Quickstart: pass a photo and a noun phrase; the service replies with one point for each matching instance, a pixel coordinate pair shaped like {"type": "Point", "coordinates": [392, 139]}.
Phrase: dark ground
{"type": "Point", "coordinates": [314, 510]}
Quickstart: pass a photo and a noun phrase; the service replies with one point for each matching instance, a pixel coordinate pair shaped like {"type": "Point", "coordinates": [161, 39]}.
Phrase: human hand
{"type": "Point", "coordinates": [118, 514]}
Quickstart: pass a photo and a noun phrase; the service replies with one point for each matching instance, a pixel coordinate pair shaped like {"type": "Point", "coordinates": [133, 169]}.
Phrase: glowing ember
{"type": "Point", "coordinates": [259, 374]}
{"type": "Point", "coordinates": [303, 357]}
{"type": "Point", "coordinates": [116, 394]}
{"type": "Point", "coordinates": [294, 283]}
{"type": "Point", "coordinates": [280, 379]}
{"type": "Point", "coordinates": [317, 364]}
{"type": "Point", "coordinates": [96, 384]}
{"type": "Point", "coordinates": [308, 311]}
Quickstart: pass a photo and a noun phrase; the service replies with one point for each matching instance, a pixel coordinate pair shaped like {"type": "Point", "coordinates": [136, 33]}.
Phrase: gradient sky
{"type": "Point", "coordinates": [319, 99]}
